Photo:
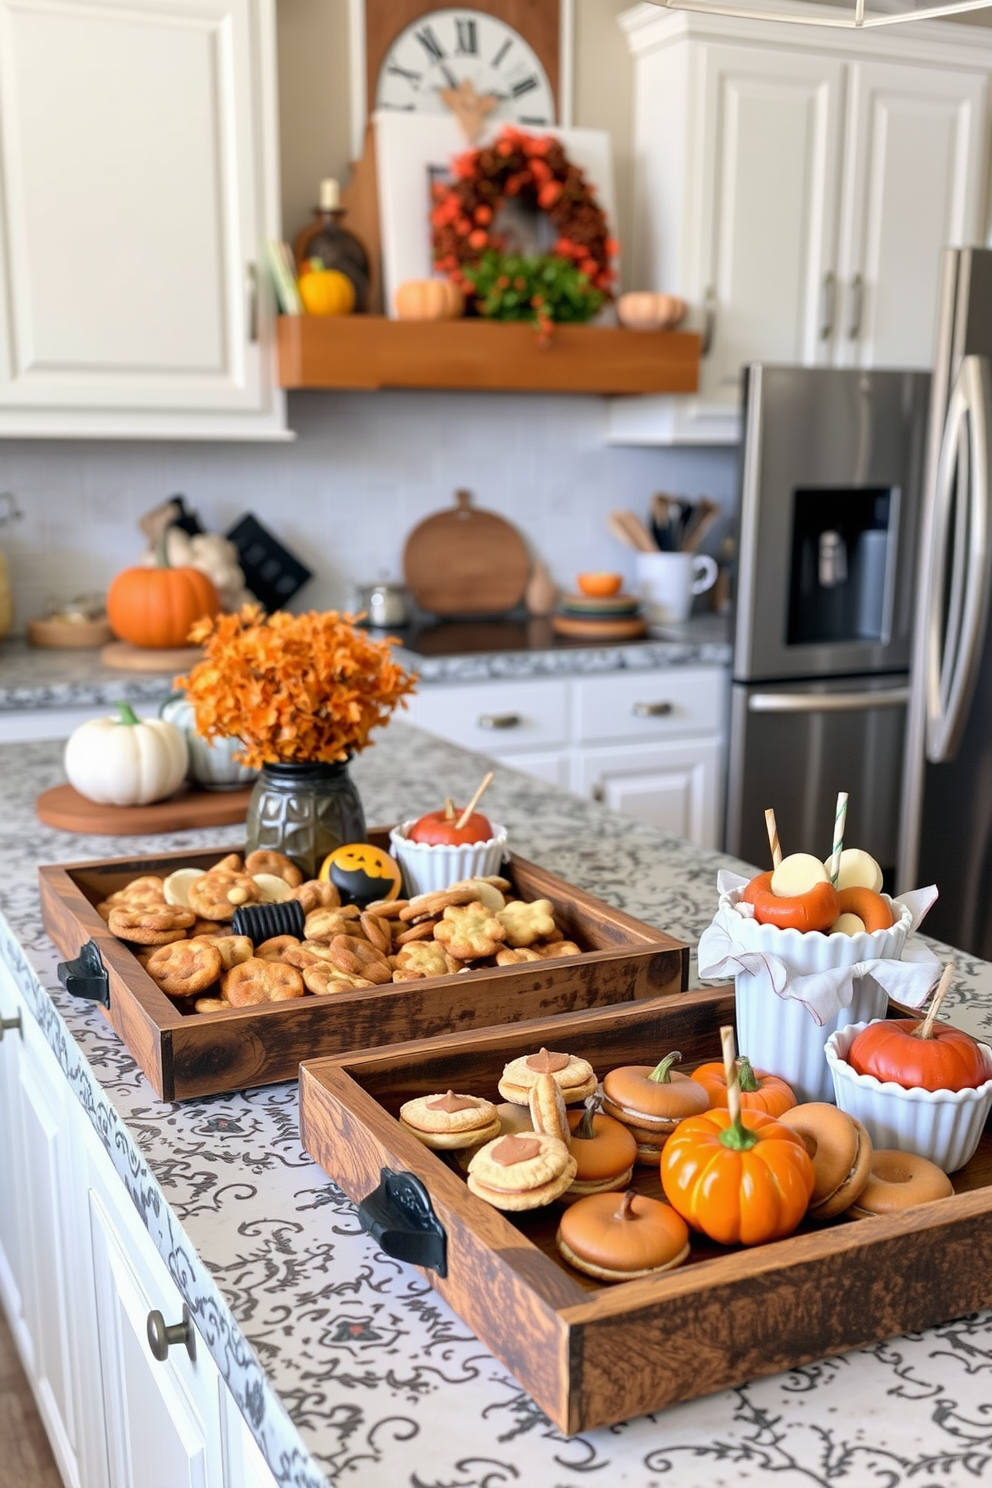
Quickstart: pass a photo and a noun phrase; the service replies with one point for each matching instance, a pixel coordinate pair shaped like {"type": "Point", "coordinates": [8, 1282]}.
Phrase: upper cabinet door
{"type": "Point", "coordinates": [913, 184]}
{"type": "Point", "coordinates": [133, 205]}
{"type": "Point", "coordinates": [769, 169]}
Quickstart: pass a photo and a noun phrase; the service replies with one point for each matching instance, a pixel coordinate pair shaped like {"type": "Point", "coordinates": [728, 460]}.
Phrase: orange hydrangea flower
{"type": "Point", "coordinates": [305, 688]}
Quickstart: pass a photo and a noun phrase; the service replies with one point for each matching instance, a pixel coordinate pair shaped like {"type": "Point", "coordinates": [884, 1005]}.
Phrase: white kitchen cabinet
{"type": "Point", "coordinates": [797, 193]}
{"type": "Point", "coordinates": [138, 185]}
{"type": "Point", "coordinates": [648, 744]}
{"type": "Point", "coordinates": [79, 1275]}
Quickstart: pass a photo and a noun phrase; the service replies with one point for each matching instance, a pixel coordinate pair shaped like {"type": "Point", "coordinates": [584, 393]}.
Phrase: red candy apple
{"type": "Point", "coordinates": [441, 827]}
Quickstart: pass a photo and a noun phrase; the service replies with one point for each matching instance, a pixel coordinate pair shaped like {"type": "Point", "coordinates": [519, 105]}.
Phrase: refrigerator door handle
{"type": "Point", "coordinates": [952, 659]}
{"type": "Point", "coordinates": [827, 702]}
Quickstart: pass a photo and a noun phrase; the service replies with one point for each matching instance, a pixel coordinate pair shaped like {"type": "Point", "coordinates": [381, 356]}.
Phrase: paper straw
{"type": "Point", "coordinates": [840, 817]}
{"type": "Point", "coordinates": [773, 841]}
{"type": "Point", "coordinates": [731, 1073]}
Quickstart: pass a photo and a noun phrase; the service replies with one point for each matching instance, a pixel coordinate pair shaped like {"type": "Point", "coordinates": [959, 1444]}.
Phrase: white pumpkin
{"type": "Point", "coordinates": [126, 761]}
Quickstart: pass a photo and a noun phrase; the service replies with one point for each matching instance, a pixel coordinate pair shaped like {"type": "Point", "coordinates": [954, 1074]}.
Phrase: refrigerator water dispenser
{"type": "Point", "coordinates": [841, 541]}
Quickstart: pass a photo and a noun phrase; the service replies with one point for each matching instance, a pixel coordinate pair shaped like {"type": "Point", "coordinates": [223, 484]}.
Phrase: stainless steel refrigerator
{"type": "Point", "coordinates": [947, 789]}
{"type": "Point", "coordinates": [832, 466]}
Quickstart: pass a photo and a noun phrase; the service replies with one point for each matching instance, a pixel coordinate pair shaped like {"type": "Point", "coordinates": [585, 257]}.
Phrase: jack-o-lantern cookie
{"type": "Point", "coordinates": [362, 873]}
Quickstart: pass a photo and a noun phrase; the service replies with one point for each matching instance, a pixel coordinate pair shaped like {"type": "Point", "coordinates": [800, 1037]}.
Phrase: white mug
{"type": "Point", "coordinates": [667, 583]}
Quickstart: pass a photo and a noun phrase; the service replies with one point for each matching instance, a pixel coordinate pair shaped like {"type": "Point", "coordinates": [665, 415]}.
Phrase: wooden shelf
{"type": "Point", "coordinates": [371, 351]}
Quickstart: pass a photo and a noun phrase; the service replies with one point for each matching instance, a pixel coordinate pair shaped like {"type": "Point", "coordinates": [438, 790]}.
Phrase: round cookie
{"type": "Point", "coordinates": [622, 1240]}
{"type": "Point", "coordinates": [575, 1076]}
{"type": "Point", "coordinates": [524, 1171]}
{"type": "Point", "coordinates": [184, 967]}
{"type": "Point", "coordinates": [841, 1152]}
{"type": "Point", "coordinates": [651, 1100]}
{"type": "Point", "coordinates": [604, 1150]}
{"type": "Point", "coordinates": [547, 1109]}
{"type": "Point", "coordinates": [897, 1181]}
{"type": "Point", "coordinates": [450, 1121]}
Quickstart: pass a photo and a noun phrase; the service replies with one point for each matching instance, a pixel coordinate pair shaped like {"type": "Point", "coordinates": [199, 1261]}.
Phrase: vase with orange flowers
{"type": "Point", "coordinates": [303, 694]}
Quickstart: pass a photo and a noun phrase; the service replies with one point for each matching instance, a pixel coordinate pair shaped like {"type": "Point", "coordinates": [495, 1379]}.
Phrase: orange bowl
{"type": "Point", "coordinates": [599, 585]}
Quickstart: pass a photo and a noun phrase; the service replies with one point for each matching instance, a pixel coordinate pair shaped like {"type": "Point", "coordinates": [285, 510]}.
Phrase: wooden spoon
{"type": "Point", "coordinates": [628, 527]}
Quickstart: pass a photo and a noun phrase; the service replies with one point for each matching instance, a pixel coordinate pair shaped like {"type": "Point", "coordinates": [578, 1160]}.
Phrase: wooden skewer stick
{"type": "Point", "coordinates": [731, 1073]}
{"type": "Point", "coordinates": [474, 801]}
{"type": "Point", "coordinates": [773, 841]}
{"type": "Point", "coordinates": [925, 1030]}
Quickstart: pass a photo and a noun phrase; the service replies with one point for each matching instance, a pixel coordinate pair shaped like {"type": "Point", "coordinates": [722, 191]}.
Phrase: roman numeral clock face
{"type": "Point", "coordinates": [443, 47]}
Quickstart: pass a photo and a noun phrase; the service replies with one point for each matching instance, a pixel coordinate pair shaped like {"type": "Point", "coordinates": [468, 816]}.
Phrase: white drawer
{"type": "Point", "coordinates": [650, 705]}
{"type": "Point", "coordinates": [495, 717]}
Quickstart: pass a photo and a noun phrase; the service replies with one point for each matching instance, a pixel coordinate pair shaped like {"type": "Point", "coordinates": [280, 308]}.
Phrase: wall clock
{"type": "Point", "coordinates": [405, 53]}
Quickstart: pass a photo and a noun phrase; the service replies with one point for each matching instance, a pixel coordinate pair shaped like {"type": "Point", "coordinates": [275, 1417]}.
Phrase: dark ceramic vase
{"type": "Point", "coordinates": [304, 811]}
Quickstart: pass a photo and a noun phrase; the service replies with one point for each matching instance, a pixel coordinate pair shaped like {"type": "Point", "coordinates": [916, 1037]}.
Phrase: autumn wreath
{"type": "Point", "coordinates": [568, 284]}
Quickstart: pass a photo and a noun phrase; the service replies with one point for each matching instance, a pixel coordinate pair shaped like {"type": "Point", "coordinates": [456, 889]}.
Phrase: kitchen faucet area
{"type": "Point", "coordinates": [495, 606]}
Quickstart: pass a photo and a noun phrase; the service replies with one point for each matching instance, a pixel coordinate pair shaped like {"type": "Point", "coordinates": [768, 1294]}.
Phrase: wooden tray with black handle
{"type": "Point", "coordinates": [185, 1053]}
{"type": "Point", "coordinates": [592, 1354]}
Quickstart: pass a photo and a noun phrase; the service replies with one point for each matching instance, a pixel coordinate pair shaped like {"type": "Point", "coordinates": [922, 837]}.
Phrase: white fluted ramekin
{"type": "Point", "coordinates": [430, 866]}
{"type": "Point", "coordinates": [942, 1125]}
{"type": "Point", "coordinates": [805, 951]}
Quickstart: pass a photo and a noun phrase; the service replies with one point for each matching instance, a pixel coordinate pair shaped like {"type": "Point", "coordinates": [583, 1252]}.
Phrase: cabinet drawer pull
{"type": "Point", "coordinates": [857, 304]}
{"type": "Point", "coordinates": [597, 792]}
{"type": "Point", "coordinates": [499, 720]}
{"type": "Point", "coordinates": [251, 299]}
{"type": "Point", "coordinates": [828, 306]}
{"type": "Point", "coordinates": [162, 1335]}
{"type": "Point", "coordinates": [7, 1024]}
{"type": "Point", "coordinates": [651, 710]}
{"type": "Point", "coordinates": [709, 321]}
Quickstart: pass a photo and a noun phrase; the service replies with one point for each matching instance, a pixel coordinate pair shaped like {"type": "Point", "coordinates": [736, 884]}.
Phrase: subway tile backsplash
{"type": "Point", "coordinates": [364, 469]}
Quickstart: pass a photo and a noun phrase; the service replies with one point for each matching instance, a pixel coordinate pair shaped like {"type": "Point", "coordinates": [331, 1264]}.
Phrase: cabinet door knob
{"type": "Point", "coordinates": [162, 1335]}
{"type": "Point", "coordinates": [499, 720]}
{"type": "Point", "coordinates": [597, 792]}
{"type": "Point", "coordinates": [11, 1023]}
{"type": "Point", "coordinates": [651, 710]}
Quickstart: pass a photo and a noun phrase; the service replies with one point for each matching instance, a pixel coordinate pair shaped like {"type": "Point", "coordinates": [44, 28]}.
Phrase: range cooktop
{"type": "Point", "coordinates": [428, 636]}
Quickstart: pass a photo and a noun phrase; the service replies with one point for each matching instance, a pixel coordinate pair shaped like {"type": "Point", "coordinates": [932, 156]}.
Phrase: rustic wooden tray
{"type": "Point", "coordinates": [592, 1354]}
{"type": "Point", "coordinates": [188, 1054]}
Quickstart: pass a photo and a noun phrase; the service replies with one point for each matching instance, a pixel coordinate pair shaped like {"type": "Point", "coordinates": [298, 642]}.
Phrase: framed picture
{"type": "Point", "coordinates": [413, 151]}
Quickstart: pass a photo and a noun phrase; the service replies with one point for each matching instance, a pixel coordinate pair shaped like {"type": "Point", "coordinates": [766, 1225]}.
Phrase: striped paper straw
{"type": "Point", "coordinates": [731, 1073]}
{"type": "Point", "coordinates": [840, 818]}
{"type": "Point", "coordinates": [773, 841]}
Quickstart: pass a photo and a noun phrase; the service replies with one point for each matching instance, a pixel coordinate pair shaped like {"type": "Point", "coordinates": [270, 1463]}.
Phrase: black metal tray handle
{"type": "Point", "coordinates": [86, 976]}
{"type": "Point", "coordinates": [399, 1217]}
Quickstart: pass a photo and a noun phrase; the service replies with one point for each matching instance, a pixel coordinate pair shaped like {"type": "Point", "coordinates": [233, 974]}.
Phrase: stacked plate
{"type": "Point", "coordinates": [613, 617]}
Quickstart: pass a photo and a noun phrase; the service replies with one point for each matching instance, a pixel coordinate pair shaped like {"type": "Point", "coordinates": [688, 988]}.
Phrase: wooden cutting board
{"type": "Point", "coordinates": [466, 562]}
{"type": "Point", "coordinates": [126, 658]}
{"type": "Point", "coordinates": [63, 807]}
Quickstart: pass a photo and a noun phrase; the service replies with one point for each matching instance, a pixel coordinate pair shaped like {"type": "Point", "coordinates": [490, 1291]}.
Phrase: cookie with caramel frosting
{"type": "Point", "coordinates": [574, 1076]}
{"type": "Point", "coordinates": [449, 1120]}
{"type": "Point", "coordinates": [524, 1170]}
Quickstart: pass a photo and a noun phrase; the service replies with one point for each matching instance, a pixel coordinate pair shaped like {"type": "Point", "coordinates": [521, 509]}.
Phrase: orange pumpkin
{"type": "Point", "coordinates": [645, 310]}
{"type": "Point", "coordinates": [760, 1091]}
{"type": "Point", "coordinates": [429, 299]}
{"type": "Point", "coordinates": [738, 1182]}
{"type": "Point", "coordinates": [155, 607]}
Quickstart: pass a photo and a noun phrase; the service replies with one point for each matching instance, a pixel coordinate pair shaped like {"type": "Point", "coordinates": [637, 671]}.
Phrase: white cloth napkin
{"type": "Point", "coordinates": [823, 993]}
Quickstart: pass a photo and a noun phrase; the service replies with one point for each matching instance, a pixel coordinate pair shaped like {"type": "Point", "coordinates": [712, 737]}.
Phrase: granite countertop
{"type": "Point", "coordinates": [348, 1367]}
{"type": "Point", "coordinates": [33, 677]}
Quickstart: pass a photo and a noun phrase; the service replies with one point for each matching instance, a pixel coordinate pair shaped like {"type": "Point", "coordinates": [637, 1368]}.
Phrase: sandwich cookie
{"type": "Point", "coordinates": [512, 1119]}
{"type": "Point", "coordinates": [651, 1101]}
{"type": "Point", "coordinates": [521, 1172]}
{"type": "Point", "coordinates": [604, 1151]}
{"type": "Point", "coordinates": [546, 1106]}
{"type": "Point", "coordinates": [622, 1240]}
{"type": "Point", "coordinates": [574, 1076]}
{"type": "Point", "coordinates": [841, 1152]}
{"type": "Point", "coordinates": [450, 1121]}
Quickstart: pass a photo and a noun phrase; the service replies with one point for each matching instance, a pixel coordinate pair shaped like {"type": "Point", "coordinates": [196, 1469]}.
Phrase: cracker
{"type": "Point", "coordinates": [469, 931]}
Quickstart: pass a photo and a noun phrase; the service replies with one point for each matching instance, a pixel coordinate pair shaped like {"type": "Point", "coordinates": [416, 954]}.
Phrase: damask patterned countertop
{"type": "Point", "coordinates": [348, 1367]}
{"type": "Point", "coordinates": [32, 677]}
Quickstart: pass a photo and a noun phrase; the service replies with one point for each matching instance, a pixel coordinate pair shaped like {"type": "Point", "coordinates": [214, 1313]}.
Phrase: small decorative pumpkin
{"type": "Point", "coordinates": [760, 1091]}
{"type": "Point", "coordinates": [211, 762]}
{"type": "Point", "coordinates": [429, 299]}
{"type": "Point", "coordinates": [645, 310]}
{"type": "Point", "coordinates": [155, 607]}
{"type": "Point", "coordinates": [126, 761]}
{"type": "Point", "coordinates": [325, 291]}
{"type": "Point", "coordinates": [896, 1050]}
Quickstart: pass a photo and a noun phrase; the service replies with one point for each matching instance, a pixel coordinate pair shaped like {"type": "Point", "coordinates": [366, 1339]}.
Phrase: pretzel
{"type": "Point", "coordinates": [324, 924]}
{"type": "Point", "coordinates": [422, 930]}
{"type": "Point", "coordinates": [426, 958]}
{"type": "Point", "coordinates": [263, 860]}
{"type": "Point", "coordinates": [378, 932]}
{"type": "Point", "coordinates": [232, 949]}
{"type": "Point", "coordinates": [275, 948]}
{"type": "Point", "coordinates": [317, 893]}
{"type": "Point", "coordinates": [211, 1004]}
{"type": "Point", "coordinates": [323, 978]}
{"type": "Point", "coordinates": [435, 903]}
{"type": "Point", "coordinates": [185, 967]}
{"type": "Point", "coordinates": [219, 893]}
{"type": "Point", "coordinates": [513, 956]}
{"type": "Point", "coordinates": [255, 981]}
{"type": "Point", "coordinates": [157, 926]}
{"type": "Point", "coordinates": [358, 958]}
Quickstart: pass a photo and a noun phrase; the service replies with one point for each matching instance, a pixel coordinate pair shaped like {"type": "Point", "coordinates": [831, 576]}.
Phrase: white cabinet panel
{"type": "Point", "coordinates": [913, 183]}
{"type": "Point", "coordinates": [650, 705]}
{"type": "Point", "coordinates": [551, 765]}
{"type": "Point", "coordinates": [134, 206]}
{"type": "Point", "coordinates": [674, 786]}
{"type": "Point", "coordinates": [495, 717]}
{"type": "Point", "coordinates": [12, 1241]}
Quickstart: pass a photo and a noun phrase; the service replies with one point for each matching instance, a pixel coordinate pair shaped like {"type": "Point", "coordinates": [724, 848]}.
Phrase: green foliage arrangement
{"type": "Point", "coordinates": [544, 289]}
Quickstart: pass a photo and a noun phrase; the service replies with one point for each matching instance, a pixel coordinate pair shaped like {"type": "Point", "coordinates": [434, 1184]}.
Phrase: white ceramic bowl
{"type": "Point", "coordinates": [430, 866]}
{"type": "Point", "coordinates": [779, 1034]}
{"type": "Point", "coordinates": [942, 1125]}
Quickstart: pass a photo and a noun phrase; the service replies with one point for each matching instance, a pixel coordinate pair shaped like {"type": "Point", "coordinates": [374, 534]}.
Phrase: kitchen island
{"type": "Point", "coordinates": [347, 1367]}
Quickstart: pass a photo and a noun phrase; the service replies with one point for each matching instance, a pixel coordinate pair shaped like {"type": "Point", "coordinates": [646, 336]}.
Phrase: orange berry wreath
{"type": "Point", "coordinates": [535, 169]}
